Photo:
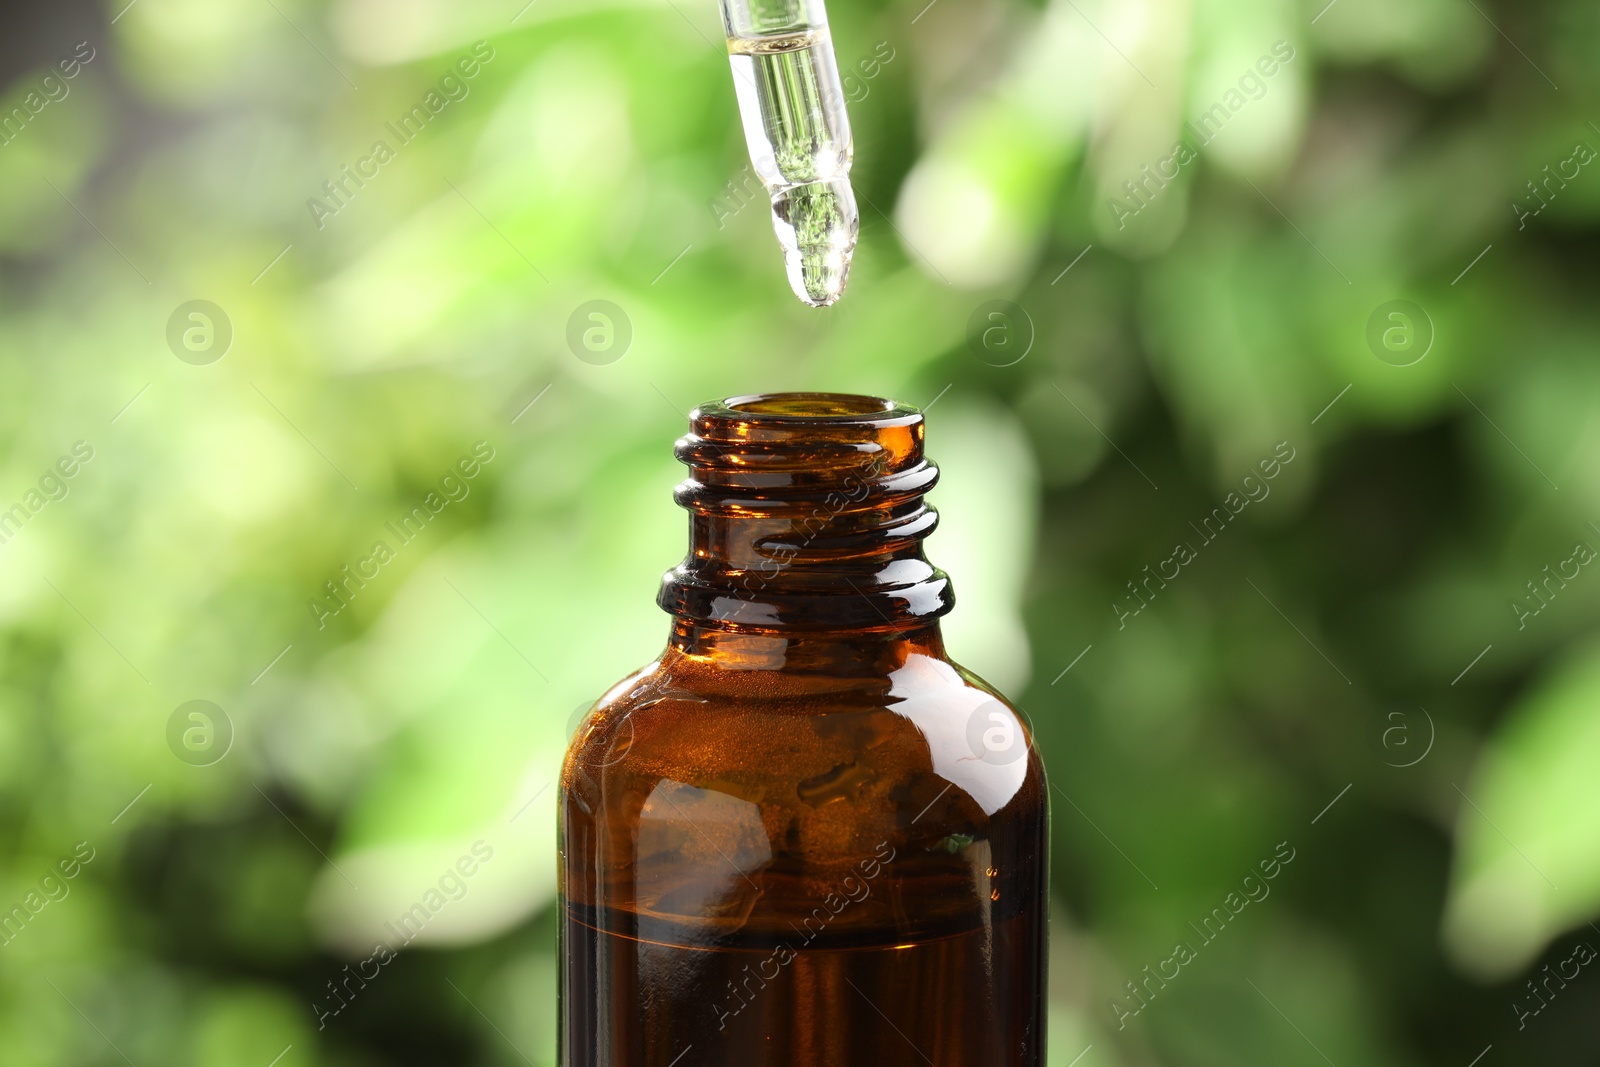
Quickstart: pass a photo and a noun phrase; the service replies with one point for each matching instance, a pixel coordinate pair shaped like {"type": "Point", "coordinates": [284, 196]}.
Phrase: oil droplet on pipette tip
{"type": "Point", "coordinates": [817, 224]}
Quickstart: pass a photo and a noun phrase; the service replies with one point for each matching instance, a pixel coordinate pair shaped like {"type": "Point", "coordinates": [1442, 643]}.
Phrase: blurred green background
{"type": "Point", "coordinates": [1386, 660]}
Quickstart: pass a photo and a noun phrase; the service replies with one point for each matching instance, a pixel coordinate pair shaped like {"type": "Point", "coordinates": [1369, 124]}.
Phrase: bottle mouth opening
{"type": "Point", "coordinates": [809, 407]}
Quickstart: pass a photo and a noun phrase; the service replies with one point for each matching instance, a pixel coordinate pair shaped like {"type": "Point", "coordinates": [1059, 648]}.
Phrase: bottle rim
{"type": "Point", "coordinates": [807, 408]}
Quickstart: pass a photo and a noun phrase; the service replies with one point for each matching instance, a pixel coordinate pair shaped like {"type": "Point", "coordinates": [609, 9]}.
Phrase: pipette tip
{"type": "Point", "coordinates": [817, 224]}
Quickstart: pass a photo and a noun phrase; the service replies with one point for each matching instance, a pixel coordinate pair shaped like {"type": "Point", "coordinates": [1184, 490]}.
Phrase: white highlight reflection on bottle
{"type": "Point", "coordinates": [792, 106]}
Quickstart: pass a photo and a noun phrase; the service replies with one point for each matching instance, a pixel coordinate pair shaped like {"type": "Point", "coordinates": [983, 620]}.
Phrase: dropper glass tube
{"type": "Point", "coordinates": [792, 106]}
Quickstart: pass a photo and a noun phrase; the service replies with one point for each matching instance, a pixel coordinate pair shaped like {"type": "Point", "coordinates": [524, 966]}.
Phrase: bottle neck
{"type": "Point", "coordinates": [841, 654]}
{"type": "Point", "coordinates": [806, 516]}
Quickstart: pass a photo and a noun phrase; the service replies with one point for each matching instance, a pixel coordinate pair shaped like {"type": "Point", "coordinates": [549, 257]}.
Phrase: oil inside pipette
{"type": "Point", "coordinates": [792, 106]}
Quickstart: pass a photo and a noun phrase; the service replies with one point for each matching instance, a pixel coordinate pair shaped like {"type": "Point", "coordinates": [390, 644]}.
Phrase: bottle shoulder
{"type": "Point", "coordinates": [927, 733]}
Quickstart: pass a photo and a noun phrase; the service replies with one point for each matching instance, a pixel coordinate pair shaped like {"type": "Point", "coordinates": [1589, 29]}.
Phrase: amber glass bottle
{"type": "Point", "coordinates": [803, 837]}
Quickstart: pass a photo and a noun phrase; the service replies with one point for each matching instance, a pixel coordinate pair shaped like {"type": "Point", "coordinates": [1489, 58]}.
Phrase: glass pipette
{"type": "Point", "coordinates": [792, 107]}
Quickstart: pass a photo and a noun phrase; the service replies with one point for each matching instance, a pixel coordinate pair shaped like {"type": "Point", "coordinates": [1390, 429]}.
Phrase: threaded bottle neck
{"type": "Point", "coordinates": [806, 513]}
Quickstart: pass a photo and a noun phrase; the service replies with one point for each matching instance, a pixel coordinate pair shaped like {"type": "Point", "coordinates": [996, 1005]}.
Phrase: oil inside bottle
{"type": "Point", "coordinates": [794, 1002]}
